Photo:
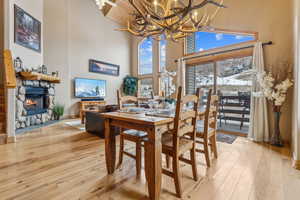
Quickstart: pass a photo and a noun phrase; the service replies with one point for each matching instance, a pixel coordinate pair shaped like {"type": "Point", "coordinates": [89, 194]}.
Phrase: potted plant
{"type": "Point", "coordinates": [275, 90]}
{"type": "Point", "coordinates": [130, 85]}
{"type": "Point", "coordinates": [58, 111]}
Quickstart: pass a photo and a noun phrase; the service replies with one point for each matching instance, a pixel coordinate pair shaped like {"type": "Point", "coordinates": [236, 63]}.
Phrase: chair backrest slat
{"type": "Point", "coordinates": [185, 119]}
{"type": "Point", "coordinates": [189, 98]}
{"type": "Point", "coordinates": [185, 130]}
{"type": "Point", "coordinates": [187, 115]}
{"type": "Point", "coordinates": [126, 99]}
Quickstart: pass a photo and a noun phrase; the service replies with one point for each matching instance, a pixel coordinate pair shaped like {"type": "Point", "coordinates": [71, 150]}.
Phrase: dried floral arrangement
{"type": "Point", "coordinates": [275, 87]}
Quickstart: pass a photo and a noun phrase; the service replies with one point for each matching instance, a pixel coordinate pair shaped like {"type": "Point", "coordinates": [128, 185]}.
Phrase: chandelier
{"type": "Point", "coordinates": [171, 19]}
{"type": "Point", "coordinates": [101, 3]}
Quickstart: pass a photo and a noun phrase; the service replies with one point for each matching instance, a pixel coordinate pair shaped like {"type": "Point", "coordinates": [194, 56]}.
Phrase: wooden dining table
{"type": "Point", "coordinates": [154, 126]}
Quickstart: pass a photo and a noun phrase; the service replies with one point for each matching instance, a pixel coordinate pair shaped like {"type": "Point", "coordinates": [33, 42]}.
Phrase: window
{"type": "Point", "coordinates": [202, 41]}
{"type": "Point", "coordinates": [200, 76]}
{"type": "Point", "coordinates": [145, 57]}
{"type": "Point", "coordinates": [167, 86]}
{"type": "Point", "coordinates": [233, 76]}
{"type": "Point", "coordinates": [231, 79]}
{"type": "Point", "coordinates": [146, 87]}
{"type": "Point", "coordinates": [151, 53]}
{"type": "Point", "coordinates": [229, 74]}
{"type": "Point", "coordinates": [162, 55]}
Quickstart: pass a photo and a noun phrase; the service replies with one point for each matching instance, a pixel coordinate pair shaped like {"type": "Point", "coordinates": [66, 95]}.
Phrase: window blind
{"type": "Point", "coordinates": [190, 43]}
{"type": "Point", "coordinates": [190, 79]}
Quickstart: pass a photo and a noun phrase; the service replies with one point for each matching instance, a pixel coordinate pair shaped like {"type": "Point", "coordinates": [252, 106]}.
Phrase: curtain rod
{"type": "Point", "coordinates": [225, 51]}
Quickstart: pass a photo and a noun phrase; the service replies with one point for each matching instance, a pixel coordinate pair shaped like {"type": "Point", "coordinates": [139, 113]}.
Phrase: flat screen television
{"type": "Point", "coordinates": [89, 88]}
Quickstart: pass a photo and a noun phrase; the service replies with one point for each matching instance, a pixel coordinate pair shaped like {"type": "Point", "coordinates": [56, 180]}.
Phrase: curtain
{"type": "Point", "coordinates": [259, 129]}
{"type": "Point", "coordinates": [181, 74]}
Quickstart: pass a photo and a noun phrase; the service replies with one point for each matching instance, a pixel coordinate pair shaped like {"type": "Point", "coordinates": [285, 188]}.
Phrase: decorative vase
{"type": "Point", "coordinates": [276, 138]}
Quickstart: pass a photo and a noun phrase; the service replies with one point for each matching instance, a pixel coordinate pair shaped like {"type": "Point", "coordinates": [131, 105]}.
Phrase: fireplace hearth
{"type": "Point", "coordinates": [36, 100]}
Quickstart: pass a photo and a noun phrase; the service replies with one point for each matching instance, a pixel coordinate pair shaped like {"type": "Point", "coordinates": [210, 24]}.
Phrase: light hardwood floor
{"type": "Point", "coordinates": [61, 162]}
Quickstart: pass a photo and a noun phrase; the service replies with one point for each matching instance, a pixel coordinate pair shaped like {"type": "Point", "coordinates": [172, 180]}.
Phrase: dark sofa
{"type": "Point", "coordinates": [94, 123]}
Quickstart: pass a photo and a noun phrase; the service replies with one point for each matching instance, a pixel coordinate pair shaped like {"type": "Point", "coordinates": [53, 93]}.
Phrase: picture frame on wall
{"type": "Point", "coordinates": [27, 31]}
{"type": "Point", "coordinates": [100, 67]}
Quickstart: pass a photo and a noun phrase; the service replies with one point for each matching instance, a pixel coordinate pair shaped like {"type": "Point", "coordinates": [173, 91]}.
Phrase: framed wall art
{"type": "Point", "coordinates": [104, 68]}
{"type": "Point", "coordinates": [27, 30]}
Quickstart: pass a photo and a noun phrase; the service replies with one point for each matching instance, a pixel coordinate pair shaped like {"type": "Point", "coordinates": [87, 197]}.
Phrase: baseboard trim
{"type": "Point", "coordinates": [296, 164]}
{"type": "Point", "coordinates": [11, 139]}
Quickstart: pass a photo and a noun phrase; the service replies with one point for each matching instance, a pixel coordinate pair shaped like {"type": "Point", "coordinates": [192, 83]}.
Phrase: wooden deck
{"type": "Point", "coordinates": [231, 127]}
{"type": "Point", "coordinates": [61, 162]}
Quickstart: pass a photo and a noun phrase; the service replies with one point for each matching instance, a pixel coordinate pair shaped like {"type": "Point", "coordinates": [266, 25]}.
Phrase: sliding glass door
{"type": "Point", "coordinates": [231, 79]}
{"type": "Point", "coordinates": [234, 83]}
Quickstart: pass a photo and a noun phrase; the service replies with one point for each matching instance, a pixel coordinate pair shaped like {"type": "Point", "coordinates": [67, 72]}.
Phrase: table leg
{"type": "Point", "coordinates": [110, 147]}
{"type": "Point", "coordinates": [153, 164]}
{"type": "Point", "coordinates": [82, 116]}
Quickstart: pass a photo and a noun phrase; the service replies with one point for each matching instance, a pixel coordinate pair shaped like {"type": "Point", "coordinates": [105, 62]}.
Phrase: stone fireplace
{"type": "Point", "coordinates": [35, 101]}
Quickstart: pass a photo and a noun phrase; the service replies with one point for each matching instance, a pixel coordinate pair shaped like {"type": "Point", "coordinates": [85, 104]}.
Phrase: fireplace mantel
{"type": "Point", "coordinates": [34, 76]}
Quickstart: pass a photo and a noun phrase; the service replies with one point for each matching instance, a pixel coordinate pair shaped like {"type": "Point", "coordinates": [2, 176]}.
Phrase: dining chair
{"type": "Point", "coordinates": [130, 135]}
{"type": "Point", "coordinates": [207, 128]}
{"type": "Point", "coordinates": [174, 142]}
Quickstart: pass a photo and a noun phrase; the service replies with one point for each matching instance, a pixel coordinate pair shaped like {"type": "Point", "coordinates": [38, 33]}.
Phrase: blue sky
{"type": "Point", "coordinates": [145, 56]}
{"type": "Point", "coordinates": [207, 40]}
{"type": "Point", "coordinates": [204, 41]}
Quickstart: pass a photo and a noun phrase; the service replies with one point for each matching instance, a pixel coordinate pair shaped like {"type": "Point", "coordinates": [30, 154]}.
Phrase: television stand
{"type": "Point", "coordinates": [91, 106]}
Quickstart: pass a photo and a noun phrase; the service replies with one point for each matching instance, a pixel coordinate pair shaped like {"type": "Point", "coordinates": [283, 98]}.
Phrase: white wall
{"type": "Point", "coordinates": [76, 31]}
{"type": "Point", "coordinates": [29, 57]}
{"type": "Point", "coordinates": [56, 46]}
